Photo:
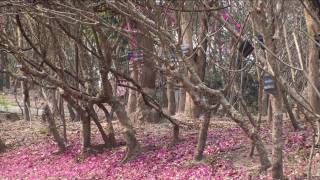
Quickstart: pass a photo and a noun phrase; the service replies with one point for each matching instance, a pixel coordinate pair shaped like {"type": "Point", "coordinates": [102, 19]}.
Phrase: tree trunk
{"type": "Point", "coordinates": [313, 29]}
{"type": "Point", "coordinates": [132, 99]}
{"type": "Point", "coordinates": [48, 116]}
{"type": "Point", "coordinates": [175, 133]}
{"type": "Point", "coordinates": [110, 129]}
{"type": "Point", "coordinates": [254, 136]}
{"type": "Point", "coordinates": [182, 100]}
{"type": "Point", "coordinates": [2, 75]}
{"type": "Point", "coordinates": [7, 81]}
{"type": "Point", "coordinates": [171, 97]}
{"type": "Point", "coordinates": [1, 81]}
{"type": "Point", "coordinates": [85, 122]}
{"type": "Point", "coordinates": [292, 116]}
{"type": "Point", "coordinates": [15, 91]}
{"type": "Point", "coordinates": [85, 131]}
{"type": "Point", "coordinates": [26, 101]}
{"type": "Point", "coordinates": [164, 96]}
{"type": "Point", "coordinates": [71, 112]}
{"type": "Point", "coordinates": [293, 119]}
{"type": "Point", "coordinates": [2, 146]}
{"type": "Point", "coordinates": [186, 30]}
{"type": "Point", "coordinates": [133, 146]}
{"type": "Point", "coordinates": [148, 82]}
{"type": "Point", "coordinates": [270, 109]}
{"type": "Point", "coordinates": [277, 123]}
{"type": "Point", "coordinates": [274, 46]}
{"type": "Point", "coordinates": [7, 76]}
{"type": "Point", "coordinates": [63, 118]}
{"type": "Point", "coordinates": [202, 137]}
{"type": "Point", "coordinates": [264, 104]}
{"type": "Point", "coordinates": [163, 88]}
{"type": "Point", "coordinates": [260, 109]}
{"type": "Point", "coordinates": [200, 58]}
{"type": "Point", "coordinates": [108, 142]}
{"type": "Point", "coordinates": [271, 36]}
{"type": "Point", "coordinates": [277, 154]}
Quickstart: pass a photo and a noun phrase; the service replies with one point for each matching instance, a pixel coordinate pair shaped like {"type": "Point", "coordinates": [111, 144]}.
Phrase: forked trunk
{"type": "Point", "coordinates": [133, 147]}
{"type": "Point", "coordinates": [110, 129]}
{"type": "Point", "coordinates": [48, 116]}
{"type": "Point", "coordinates": [85, 122]}
{"type": "Point", "coordinates": [108, 141]}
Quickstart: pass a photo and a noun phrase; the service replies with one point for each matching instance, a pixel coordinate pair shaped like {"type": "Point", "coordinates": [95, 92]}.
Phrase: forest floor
{"type": "Point", "coordinates": [32, 154]}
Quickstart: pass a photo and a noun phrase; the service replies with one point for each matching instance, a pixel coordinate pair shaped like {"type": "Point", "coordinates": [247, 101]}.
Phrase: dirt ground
{"type": "Point", "coordinates": [21, 133]}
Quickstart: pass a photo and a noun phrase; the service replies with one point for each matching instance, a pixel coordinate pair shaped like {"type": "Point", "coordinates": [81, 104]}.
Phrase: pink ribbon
{"type": "Point", "coordinates": [133, 41]}
{"type": "Point", "coordinates": [227, 18]}
{"type": "Point", "coordinates": [238, 26]}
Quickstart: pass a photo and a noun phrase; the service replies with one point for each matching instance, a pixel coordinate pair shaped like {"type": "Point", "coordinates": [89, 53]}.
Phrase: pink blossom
{"type": "Point", "coordinates": [238, 26]}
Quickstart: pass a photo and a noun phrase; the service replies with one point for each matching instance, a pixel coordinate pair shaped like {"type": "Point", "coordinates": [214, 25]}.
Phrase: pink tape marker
{"type": "Point", "coordinates": [238, 26]}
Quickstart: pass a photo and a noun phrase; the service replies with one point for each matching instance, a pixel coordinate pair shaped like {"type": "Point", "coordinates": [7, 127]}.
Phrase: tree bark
{"type": "Point", "coordinates": [7, 81]}
{"type": "Point", "coordinates": [109, 141]}
{"type": "Point", "coordinates": [164, 89]}
{"type": "Point", "coordinates": [182, 100]}
{"type": "Point", "coordinates": [270, 109]}
{"type": "Point", "coordinates": [175, 134]}
{"type": "Point", "coordinates": [293, 119]}
{"type": "Point", "coordinates": [2, 146]}
{"type": "Point", "coordinates": [48, 116]}
{"type": "Point", "coordinates": [313, 29]}
{"type": "Point", "coordinates": [133, 146]}
{"type": "Point", "coordinates": [85, 131]}
{"type": "Point", "coordinates": [148, 81]}
{"type": "Point", "coordinates": [186, 30]}
{"type": "Point", "coordinates": [1, 81]}
{"type": "Point", "coordinates": [235, 115]}
{"type": "Point", "coordinates": [7, 76]}
{"type": "Point", "coordinates": [260, 110]}
{"type": "Point", "coordinates": [271, 34]}
{"type": "Point", "coordinates": [254, 136]}
{"type": "Point", "coordinates": [26, 101]}
{"type": "Point", "coordinates": [274, 45]}
{"type": "Point", "coordinates": [2, 75]}
{"type": "Point", "coordinates": [71, 112]}
{"type": "Point", "coordinates": [132, 99]}
{"type": "Point", "coordinates": [62, 117]}
{"type": "Point", "coordinates": [202, 137]}
{"type": "Point", "coordinates": [171, 97]}
{"type": "Point", "coordinates": [200, 58]}
{"type": "Point", "coordinates": [264, 104]}
{"type": "Point", "coordinates": [110, 129]}
{"type": "Point", "coordinates": [85, 122]}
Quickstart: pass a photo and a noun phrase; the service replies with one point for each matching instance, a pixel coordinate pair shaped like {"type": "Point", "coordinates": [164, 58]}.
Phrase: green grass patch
{"type": "Point", "coordinates": [5, 104]}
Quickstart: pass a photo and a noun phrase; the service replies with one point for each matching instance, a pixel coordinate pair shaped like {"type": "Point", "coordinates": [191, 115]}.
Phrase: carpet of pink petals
{"type": "Point", "coordinates": [158, 161]}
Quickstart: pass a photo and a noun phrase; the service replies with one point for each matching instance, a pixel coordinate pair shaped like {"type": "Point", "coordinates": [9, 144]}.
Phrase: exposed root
{"type": "Point", "coordinates": [131, 154]}
{"type": "Point", "coordinates": [2, 147]}
{"type": "Point", "coordinates": [263, 169]}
